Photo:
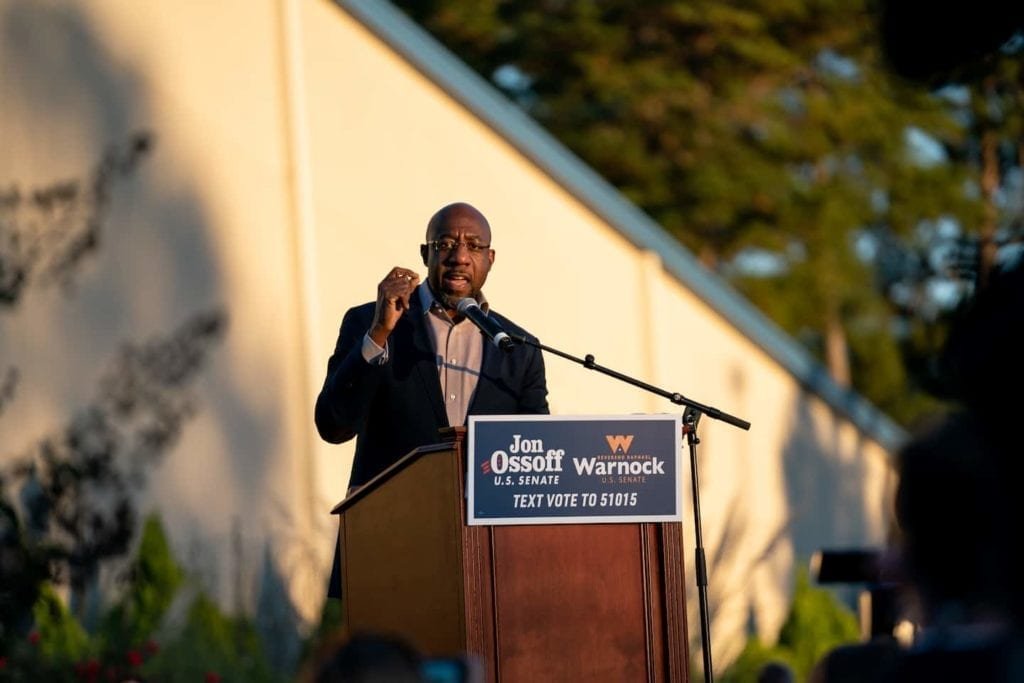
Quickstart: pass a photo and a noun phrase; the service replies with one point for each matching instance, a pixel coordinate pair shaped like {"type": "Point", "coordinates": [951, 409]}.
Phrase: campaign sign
{"type": "Point", "coordinates": [547, 469]}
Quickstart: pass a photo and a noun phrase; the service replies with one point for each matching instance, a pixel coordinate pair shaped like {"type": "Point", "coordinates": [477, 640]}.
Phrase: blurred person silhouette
{"type": "Point", "coordinates": [776, 672]}
{"type": "Point", "coordinates": [972, 590]}
{"type": "Point", "coordinates": [984, 360]}
{"type": "Point", "coordinates": [369, 658]}
{"type": "Point", "coordinates": [958, 546]}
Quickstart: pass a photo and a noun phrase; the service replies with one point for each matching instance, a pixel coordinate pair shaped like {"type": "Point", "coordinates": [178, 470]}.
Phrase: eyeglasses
{"type": "Point", "coordinates": [446, 246]}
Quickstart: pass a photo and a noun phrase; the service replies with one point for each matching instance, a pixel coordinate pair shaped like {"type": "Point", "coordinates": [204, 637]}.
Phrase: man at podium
{"type": "Point", "coordinates": [411, 363]}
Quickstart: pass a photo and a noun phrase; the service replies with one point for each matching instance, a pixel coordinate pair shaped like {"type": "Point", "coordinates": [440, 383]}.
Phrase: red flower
{"type": "Point", "coordinates": [88, 671]}
{"type": "Point", "coordinates": [134, 658]}
{"type": "Point", "coordinates": [211, 677]}
{"type": "Point", "coordinates": [34, 637]}
{"type": "Point", "coordinates": [3, 663]}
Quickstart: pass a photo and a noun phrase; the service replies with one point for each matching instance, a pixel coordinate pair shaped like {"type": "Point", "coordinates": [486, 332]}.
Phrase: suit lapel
{"type": "Point", "coordinates": [427, 369]}
{"type": "Point", "coordinates": [490, 371]}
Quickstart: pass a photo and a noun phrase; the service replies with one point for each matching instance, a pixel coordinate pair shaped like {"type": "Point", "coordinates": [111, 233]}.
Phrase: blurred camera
{"type": "Point", "coordinates": [847, 566]}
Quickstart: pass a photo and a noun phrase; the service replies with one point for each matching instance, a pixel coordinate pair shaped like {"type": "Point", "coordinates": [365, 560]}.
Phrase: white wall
{"type": "Point", "coordinates": [207, 220]}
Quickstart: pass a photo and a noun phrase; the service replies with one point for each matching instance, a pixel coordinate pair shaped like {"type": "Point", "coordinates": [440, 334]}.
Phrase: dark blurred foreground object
{"type": "Point", "coordinates": [847, 566]}
{"type": "Point", "coordinates": [878, 609]}
{"type": "Point", "coordinates": [955, 509]}
{"type": "Point", "coordinates": [958, 530]}
{"type": "Point", "coordinates": [858, 663]}
{"type": "Point", "coordinates": [984, 360]}
{"type": "Point", "coordinates": [959, 512]}
{"type": "Point", "coordinates": [932, 42]}
{"type": "Point", "coordinates": [370, 658]}
{"type": "Point", "coordinates": [776, 672]}
{"type": "Point", "coordinates": [984, 356]}
{"type": "Point", "coordinates": [380, 658]}
{"type": "Point", "coordinates": [878, 603]}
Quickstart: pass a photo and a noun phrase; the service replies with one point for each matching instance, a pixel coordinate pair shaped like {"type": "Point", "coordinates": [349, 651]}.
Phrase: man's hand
{"type": "Point", "coordinates": [393, 294]}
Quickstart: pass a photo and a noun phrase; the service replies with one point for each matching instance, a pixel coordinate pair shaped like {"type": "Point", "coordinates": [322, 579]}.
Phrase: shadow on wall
{"type": "Point", "coordinates": [825, 489]}
{"type": "Point", "coordinates": [824, 492]}
{"type": "Point", "coordinates": [143, 251]}
{"type": "Point", "coordinates": [63, 75]}
{"type": "Point", "coordinates": [732, 564]}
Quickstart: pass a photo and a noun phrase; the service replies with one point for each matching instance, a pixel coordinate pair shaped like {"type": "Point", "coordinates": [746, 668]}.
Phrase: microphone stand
{"type": "Point", "coordinates": [691, 416]}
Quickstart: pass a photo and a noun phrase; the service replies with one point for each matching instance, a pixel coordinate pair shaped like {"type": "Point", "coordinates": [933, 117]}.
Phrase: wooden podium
{"type": "Point", "coordinates": [565, 602]}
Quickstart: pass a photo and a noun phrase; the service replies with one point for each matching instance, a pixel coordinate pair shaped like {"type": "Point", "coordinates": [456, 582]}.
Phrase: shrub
{"type": "Point", "coordinates": [817, 622]}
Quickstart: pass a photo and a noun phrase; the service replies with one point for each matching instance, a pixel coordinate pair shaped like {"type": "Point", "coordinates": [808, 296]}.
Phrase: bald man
{"type": "Point", "coordinates": [408, 364]}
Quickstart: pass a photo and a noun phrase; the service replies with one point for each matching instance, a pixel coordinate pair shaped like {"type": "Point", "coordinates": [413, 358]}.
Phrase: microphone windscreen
{"type": "Point", "coordinates": [466, 303]}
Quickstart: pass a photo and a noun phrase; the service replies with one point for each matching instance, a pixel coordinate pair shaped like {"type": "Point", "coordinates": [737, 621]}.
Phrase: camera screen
{"type": "Point", "coordinates": [444, 670]}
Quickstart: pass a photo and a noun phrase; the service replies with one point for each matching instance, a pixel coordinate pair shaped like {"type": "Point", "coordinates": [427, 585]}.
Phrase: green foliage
{"type": "Point", "coordinates": [76, 488]}
{"type": "Point", "coordinates": [331, 617]}
{"type": "Point", "coordinates": [51, 650]}
{"type": "Point", "coordinates": [211, 642]}
{"type": "Point", "coordinates": [61, 639]}
{"type": "Point", "coordinates": [133, 636]}
{"type": "Point", "coordinates": [153, 580]}
{"type": "Point", "coordinates": [68, 504]}
{"type": "Point", "coordinates": [817, 623]}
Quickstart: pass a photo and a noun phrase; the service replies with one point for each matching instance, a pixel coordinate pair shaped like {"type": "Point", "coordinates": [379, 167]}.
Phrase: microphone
{"type": "Point", "coordinates": [489, 326]}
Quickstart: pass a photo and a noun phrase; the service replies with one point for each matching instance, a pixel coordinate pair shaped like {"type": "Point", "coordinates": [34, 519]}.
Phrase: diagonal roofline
{"type": "Point", "coordinates": [467, 87]}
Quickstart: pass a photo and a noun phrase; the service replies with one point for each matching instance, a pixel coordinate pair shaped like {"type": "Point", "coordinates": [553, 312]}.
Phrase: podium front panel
{"type": "Point", "coordinates": [570, 603]}
{"type": "Point", "coordinates": [402, 560]}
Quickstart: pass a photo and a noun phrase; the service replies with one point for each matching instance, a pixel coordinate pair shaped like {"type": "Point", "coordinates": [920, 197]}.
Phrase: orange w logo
{"type": "Point", "coordinates": [618, 442]}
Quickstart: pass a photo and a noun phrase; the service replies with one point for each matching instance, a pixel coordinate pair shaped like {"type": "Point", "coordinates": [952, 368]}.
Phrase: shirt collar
{"type": "Point", "coordinates": [428, 301]}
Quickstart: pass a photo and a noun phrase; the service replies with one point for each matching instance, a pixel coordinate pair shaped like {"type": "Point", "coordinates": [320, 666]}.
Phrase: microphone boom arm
{"type": "Point", "coordinates": [677, 398]}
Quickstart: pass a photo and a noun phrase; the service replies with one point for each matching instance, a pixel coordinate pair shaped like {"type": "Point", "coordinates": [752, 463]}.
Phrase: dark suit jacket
{"type": "Point", "coordinates": [395, 407]}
